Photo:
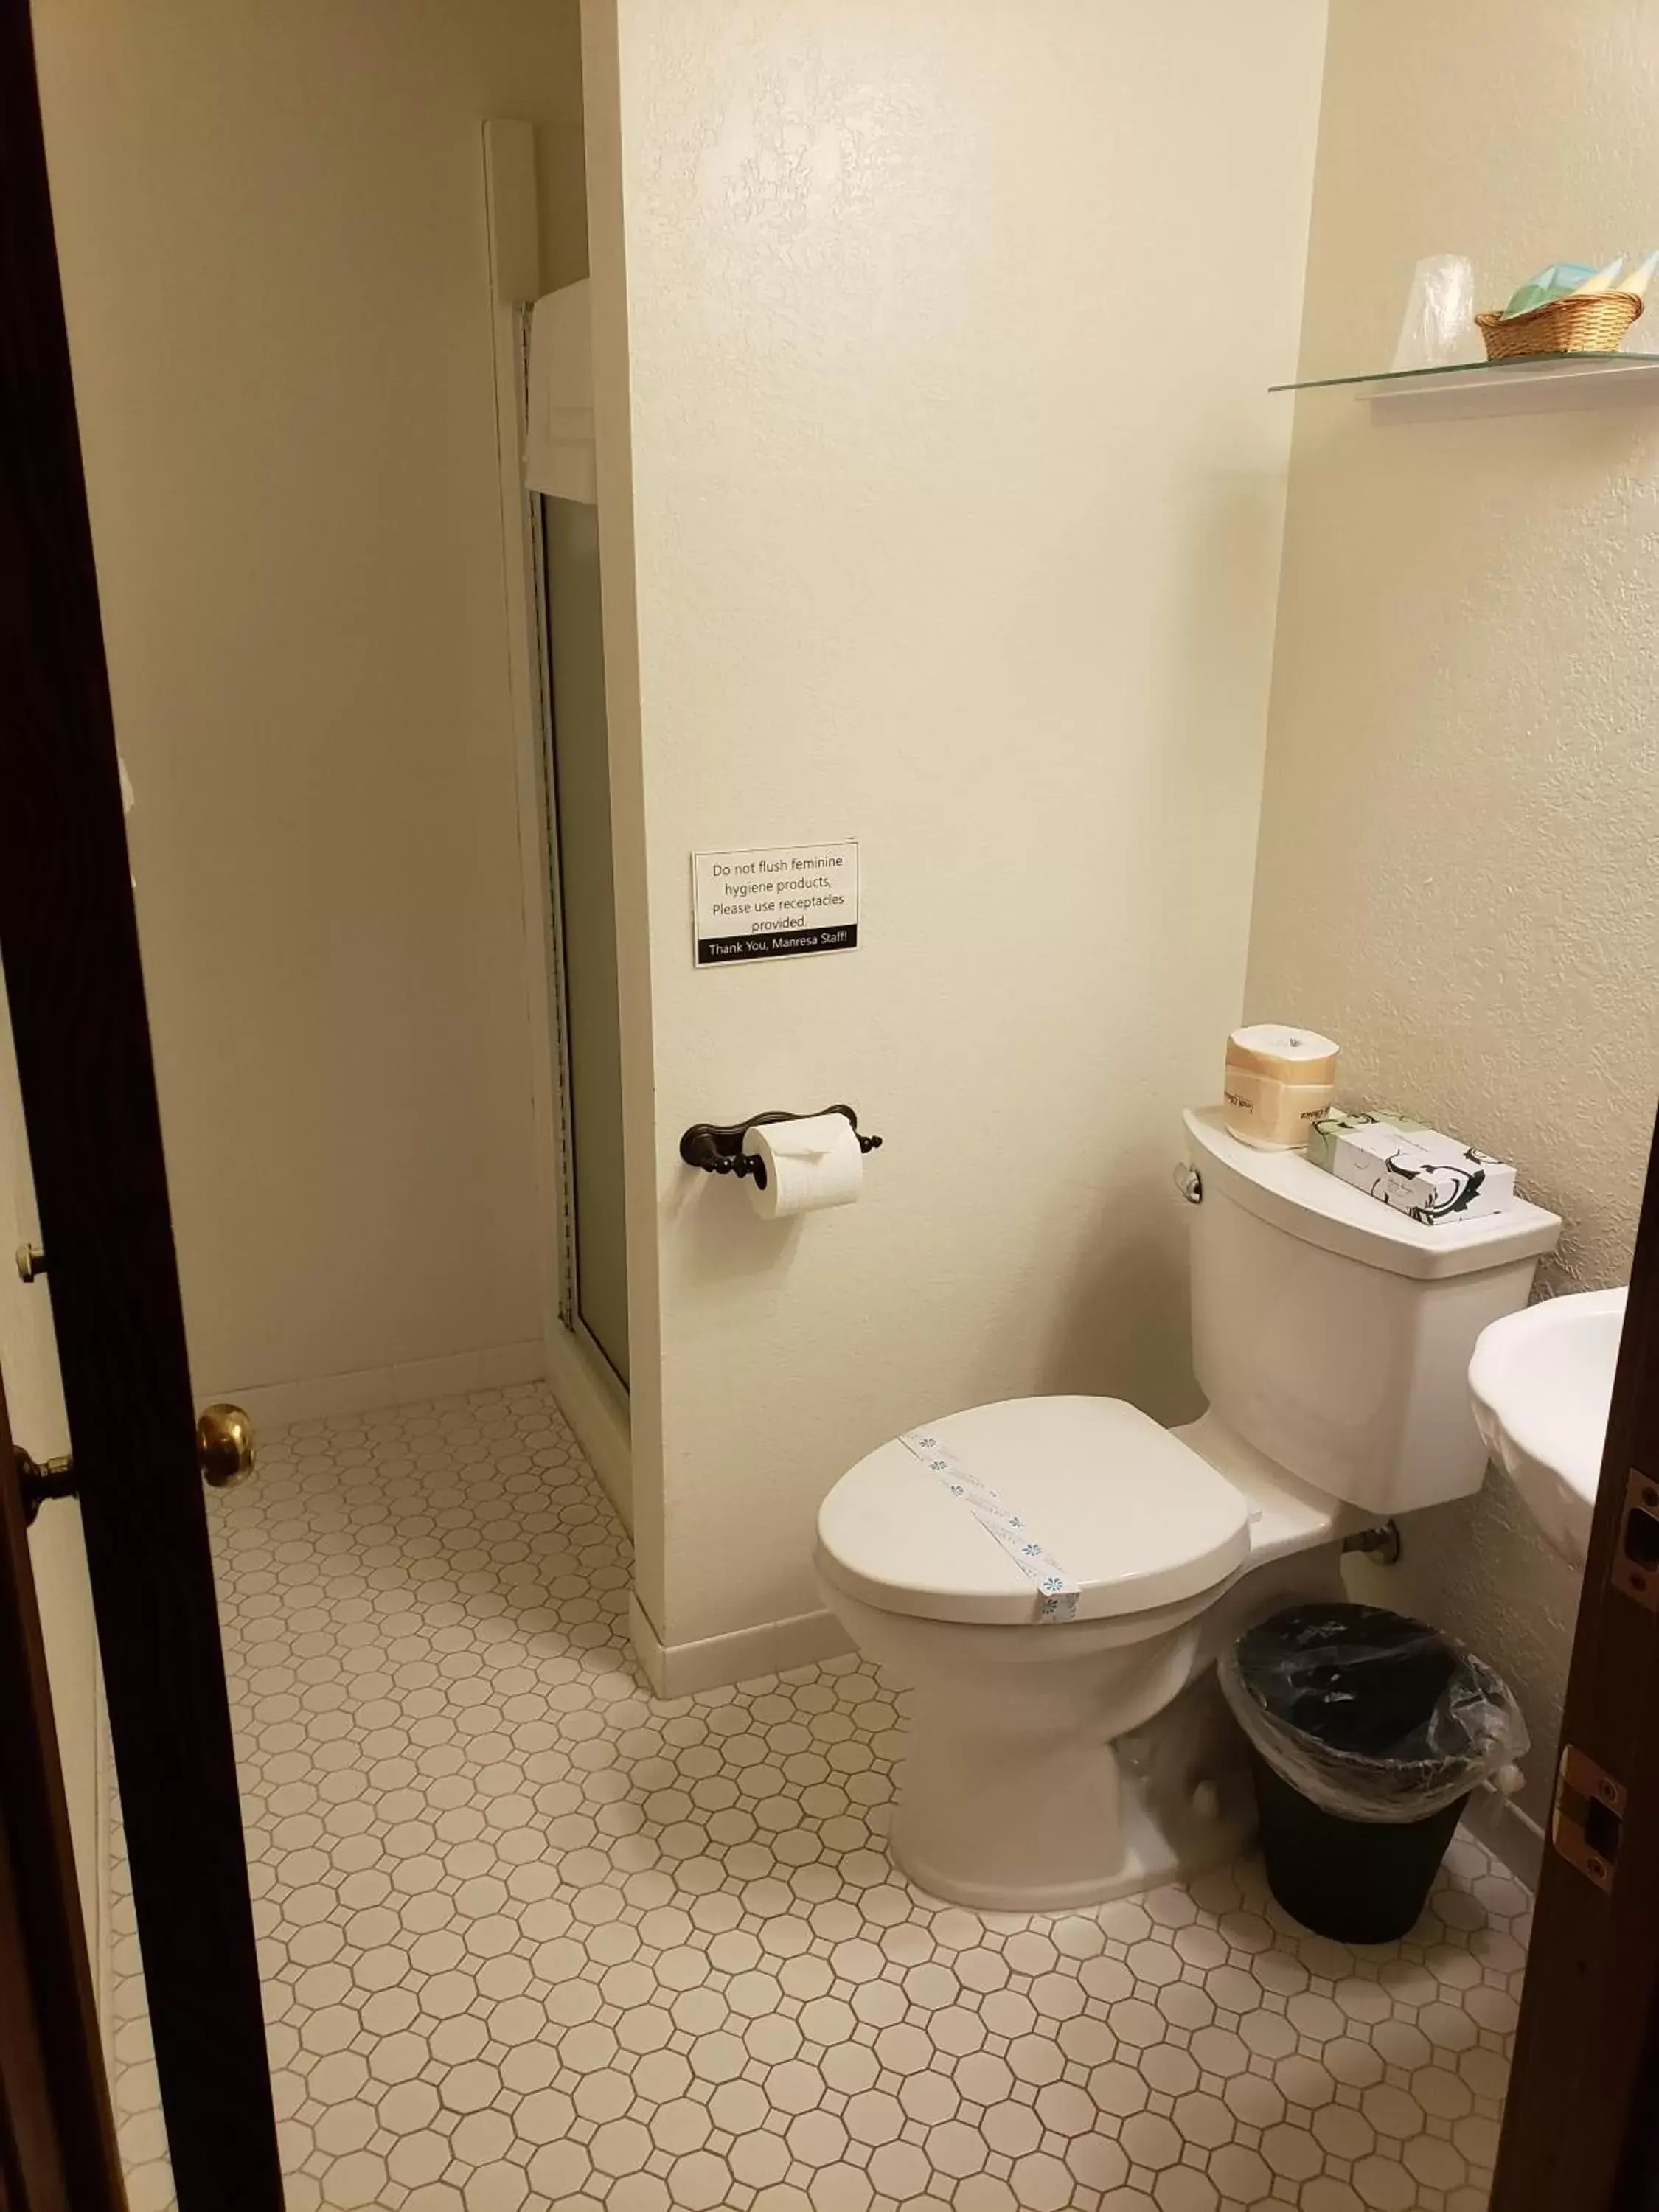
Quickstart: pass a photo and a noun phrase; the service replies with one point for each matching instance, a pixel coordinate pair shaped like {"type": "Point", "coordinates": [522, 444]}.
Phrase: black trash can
{"type": "Point", "coordinates": [1367, 1732]}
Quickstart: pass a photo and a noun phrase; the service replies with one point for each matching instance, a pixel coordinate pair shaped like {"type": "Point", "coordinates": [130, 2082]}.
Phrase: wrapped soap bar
{"type": "Point", "coordinates": [1555, 282]}
{"type": "Point", "coordinates": [1425, 1174]}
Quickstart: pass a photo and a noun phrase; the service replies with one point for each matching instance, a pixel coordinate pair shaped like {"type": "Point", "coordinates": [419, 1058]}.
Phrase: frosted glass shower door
{"type": "Point", "coordinates": [581, 773]}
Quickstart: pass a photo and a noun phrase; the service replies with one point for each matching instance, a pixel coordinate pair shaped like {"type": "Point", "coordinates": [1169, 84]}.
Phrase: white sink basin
{"type": "Point", "coordinates": [1541, 1381]}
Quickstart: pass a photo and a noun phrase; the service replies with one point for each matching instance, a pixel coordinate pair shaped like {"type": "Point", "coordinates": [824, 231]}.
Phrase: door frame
{"type": "Point", "coordinates": [1581, 2125]}
{"type": "Point", "coordinates": [57, 2148]}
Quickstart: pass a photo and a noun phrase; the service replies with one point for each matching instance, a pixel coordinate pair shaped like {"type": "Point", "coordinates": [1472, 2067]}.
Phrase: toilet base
{"type": "Point", "coordinates": [1050, 1768]}
{"type": "Point", "coordinates": [1152, 1846]}
{"type": "Point", "coordinates": [1063, 1822]}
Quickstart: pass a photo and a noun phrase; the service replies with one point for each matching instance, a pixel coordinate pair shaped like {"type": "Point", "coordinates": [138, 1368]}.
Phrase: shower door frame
{"type": "Point", "coordinates": [593, 1398]}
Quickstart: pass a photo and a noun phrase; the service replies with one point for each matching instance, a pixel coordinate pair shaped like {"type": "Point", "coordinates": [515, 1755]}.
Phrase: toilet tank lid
{"type": "Point", "coordinates": [1286, 1189]}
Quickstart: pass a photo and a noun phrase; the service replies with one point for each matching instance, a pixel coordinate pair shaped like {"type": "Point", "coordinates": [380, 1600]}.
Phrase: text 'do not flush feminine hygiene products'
{"type": "Point", "coordinates": [1278, 1080]}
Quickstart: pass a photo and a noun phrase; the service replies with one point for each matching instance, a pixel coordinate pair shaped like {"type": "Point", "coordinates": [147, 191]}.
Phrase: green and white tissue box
{"type": "Point", "coordinates": [1421, 1172]}
{"type": "Point", "coordinates": [1322, 1141]}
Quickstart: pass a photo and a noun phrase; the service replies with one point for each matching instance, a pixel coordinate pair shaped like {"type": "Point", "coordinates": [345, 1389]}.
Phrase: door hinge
{"type": "Point", "coordinates": [1636, 1562]}
{"type": "Point", "coordinates": [55, 1479]}
{"type": "Point", "coordinates": [1588, 1823]}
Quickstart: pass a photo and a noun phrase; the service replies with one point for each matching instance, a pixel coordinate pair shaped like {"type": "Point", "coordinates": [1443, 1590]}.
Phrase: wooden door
{"type": "Point", "coordinates": [70, 949]}
{"type": "Point", "coordinates": [1581, 2126]}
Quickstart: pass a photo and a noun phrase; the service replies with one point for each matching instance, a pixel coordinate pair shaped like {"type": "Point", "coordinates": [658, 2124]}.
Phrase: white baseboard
{"type": "Point", "coordinates": [679, 1670]}
{"type": "Point", "coordinates": [592, 1400]}
{"type": "Point", "coordinates": [368, 1389]}
{"type": "Point", "coordinates": [1512, 1837]}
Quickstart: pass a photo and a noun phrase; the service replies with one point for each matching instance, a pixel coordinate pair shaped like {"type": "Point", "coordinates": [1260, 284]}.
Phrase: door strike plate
{"type": "Point", "coordinates": [1635, 1563]}
{"type": "Point", "coordinates": [1587, 1824]}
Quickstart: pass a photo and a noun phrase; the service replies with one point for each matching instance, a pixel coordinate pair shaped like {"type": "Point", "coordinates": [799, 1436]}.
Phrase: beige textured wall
{"type": "Point", "coordinates": [1459, 872]}
{"type": "Point", "coordinates": [272, 226]}
{"type": "Point", "coordinates": [932, 553]}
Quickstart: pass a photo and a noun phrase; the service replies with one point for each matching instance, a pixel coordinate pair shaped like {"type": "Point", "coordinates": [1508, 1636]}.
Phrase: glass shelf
{"type": "Point", "coordinates": [1500, 387]}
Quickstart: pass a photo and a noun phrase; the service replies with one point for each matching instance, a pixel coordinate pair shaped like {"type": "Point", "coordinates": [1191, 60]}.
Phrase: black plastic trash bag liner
{"type": "Point", "coordinates": [1369, 1715]}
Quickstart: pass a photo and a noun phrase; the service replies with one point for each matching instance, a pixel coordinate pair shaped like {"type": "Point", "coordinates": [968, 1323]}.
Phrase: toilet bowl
{"type": "Point", "coordinates": [1054, 1577]}
{"type": "Point", "coordinates": [1017, 1793]}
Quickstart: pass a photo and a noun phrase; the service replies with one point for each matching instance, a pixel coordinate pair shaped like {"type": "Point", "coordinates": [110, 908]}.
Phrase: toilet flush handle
{"type": "Point", "coordinates": [1189, 1182]}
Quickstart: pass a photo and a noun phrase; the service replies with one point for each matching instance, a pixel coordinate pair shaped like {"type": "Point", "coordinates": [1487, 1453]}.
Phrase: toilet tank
{"type": "Point", "coordinates": [1334, 1333]}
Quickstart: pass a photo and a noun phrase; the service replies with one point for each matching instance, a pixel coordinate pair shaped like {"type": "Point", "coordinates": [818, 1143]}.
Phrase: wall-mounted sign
{"type": "Point", "coordinates": [769, 904]}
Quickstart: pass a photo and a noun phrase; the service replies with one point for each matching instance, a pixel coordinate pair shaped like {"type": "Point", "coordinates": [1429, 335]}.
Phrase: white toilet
{"type": "Point", "coordinates": [1056, 1762]}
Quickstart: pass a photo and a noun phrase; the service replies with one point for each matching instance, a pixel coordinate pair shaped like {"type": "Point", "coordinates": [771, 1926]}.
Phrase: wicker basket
{"type": "Point", "coordinates": [1596, 324]}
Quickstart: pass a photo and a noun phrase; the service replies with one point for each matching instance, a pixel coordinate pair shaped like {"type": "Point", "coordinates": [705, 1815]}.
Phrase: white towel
{"type": "Point", "coordinates": [559, 439]}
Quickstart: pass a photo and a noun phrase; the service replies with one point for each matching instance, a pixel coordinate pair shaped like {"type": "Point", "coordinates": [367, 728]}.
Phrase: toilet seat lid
{"type": "Point", "coordinates": [1134, 1516]}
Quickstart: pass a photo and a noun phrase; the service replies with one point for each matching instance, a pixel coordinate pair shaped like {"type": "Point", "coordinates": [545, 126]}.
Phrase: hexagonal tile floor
{"type": "Point", "coordinates": [533, 1938]}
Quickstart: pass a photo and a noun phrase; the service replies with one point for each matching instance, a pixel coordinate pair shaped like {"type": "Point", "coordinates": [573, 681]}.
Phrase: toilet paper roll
{"type": "Point", "coordinates": [810, 1164]}
{"type": "Point", "coordinates": [1278, 1081]}
{"type": "Point", "coordinates": [1288, 1056]}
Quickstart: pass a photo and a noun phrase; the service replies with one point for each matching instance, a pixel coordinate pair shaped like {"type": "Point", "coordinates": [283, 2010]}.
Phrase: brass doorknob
{"type": "Point", "coordinates": [224, 1446]}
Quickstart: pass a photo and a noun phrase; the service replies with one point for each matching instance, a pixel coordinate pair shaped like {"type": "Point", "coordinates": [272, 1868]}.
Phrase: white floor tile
{"type": "Point", "coordinates": [532, 1938]}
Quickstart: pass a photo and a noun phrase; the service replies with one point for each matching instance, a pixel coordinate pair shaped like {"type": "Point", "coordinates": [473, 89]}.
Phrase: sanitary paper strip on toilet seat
{"type": "Point", "coordinates": [1056, 1591]}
